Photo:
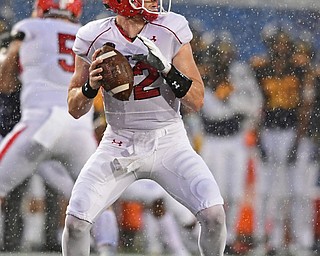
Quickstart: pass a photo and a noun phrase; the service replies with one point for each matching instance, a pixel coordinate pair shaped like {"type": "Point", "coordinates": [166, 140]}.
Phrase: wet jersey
{"type": "Point", "coordinates": [152, 104]}
{"type": "Point", "coordinates": [47, 61]}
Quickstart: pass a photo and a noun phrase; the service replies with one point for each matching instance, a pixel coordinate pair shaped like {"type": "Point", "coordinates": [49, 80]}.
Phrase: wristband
{"type": "Point", "coordinates": [19, 35]}
{"type": "Point", "coordinates": [88, 91]}
{"type": "Point", "coordinates": [178, 82]}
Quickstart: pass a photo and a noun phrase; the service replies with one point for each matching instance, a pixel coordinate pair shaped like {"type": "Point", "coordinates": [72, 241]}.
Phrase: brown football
{"type": "Point", "coordinates": [117, 73]}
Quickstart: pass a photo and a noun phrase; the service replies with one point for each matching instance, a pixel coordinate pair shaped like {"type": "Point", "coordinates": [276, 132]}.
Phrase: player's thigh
{"type": "Point", "coordinates": [215, 153]}
{"type": "Point", "coordinates": [75, 149]}
{"type": "Point", "coordinates": [19, 156]}
{"type": "Point", "coordinates": [56, 176]}
{"type": "Point", "coordinates": [236, 171]}
{"type": "Point", "coordinates": [19, 142]}
{"type": "Point", "coordinates": [184, 174]}
{"type": "Point", "coordinates": [304, 173]}
{"type": "Point", "coordinates": [97, 187]}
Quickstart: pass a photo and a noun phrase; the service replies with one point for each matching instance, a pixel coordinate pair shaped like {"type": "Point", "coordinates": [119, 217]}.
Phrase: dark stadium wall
{"type": "Point", "coordinates": [245, 24]}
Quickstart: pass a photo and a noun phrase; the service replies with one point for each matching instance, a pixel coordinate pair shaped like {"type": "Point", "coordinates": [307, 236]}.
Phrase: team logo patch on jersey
{"type": "Point", "coordinates": [153, 38]}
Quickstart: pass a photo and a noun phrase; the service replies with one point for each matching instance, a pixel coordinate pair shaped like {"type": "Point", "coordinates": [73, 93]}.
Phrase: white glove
{"type": "Point", "coordinates": [155, 58]}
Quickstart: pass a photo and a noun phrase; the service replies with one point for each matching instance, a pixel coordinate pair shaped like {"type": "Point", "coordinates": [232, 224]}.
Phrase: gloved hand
{"type": "Point", "coordinates": [155, 57]}
{"type": "Point", "coordinates": [292, 154]}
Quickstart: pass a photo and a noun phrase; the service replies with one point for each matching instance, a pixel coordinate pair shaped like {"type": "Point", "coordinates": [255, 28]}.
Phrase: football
{"type": "Point", "coordinates": [117, 75]}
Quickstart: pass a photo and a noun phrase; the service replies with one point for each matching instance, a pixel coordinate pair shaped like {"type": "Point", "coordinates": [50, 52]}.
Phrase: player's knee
{"type": "Point", "coordinates": [212, 219]}
{"type": "Point", "coordinates": [76, 227]}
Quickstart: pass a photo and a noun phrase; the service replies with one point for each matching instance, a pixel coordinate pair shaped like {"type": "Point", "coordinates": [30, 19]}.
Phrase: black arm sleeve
{"type": "Point", "coordinates": [178, 82]}
{"type": "Point", "coordinates": [19, 35]}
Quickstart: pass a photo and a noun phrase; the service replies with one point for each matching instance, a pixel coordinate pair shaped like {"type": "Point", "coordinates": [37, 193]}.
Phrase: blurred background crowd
{"type": "Point", "coordinates": [258, 131]}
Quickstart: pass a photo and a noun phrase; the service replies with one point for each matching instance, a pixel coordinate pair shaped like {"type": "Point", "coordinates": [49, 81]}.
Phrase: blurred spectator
{"type": "Point", "coordinates": [315, 136]}
{"type": "Point", "coordinates": [288, 92]}
{"type": "Point", "coordinates": [231, 108]}
{"type": "Point", "coordinates": [6, 13]}
{"type": "Point", "coordinates": [304, 176]}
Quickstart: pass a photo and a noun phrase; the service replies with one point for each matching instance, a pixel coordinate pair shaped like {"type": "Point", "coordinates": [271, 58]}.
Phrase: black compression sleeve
{"type": "Point", "coordinates": [88, 91]}
{"type": "Point", "coordinates": [19, 35]}
{"type": "Point", "coordinates": [178, 82]}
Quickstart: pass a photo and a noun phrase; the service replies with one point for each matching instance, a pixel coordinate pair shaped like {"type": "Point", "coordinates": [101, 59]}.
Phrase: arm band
{"type": "Point", "coordinates": [88, 91]}
{"type": "Point", "coordinates": [18, 36]}
{"type": "Point", "coordinates": [178, 82]}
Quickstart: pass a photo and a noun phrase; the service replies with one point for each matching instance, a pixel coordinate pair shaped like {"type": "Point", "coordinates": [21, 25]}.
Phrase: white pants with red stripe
{"type": "Point", "coordinates": [46, 135]}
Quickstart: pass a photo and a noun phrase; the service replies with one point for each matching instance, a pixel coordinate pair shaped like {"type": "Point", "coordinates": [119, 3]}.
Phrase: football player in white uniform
{"type": "Point", "coordinates": [41, 55]}
{"type": "Point", "coordinates": [284, 176]}
{"type": "Point", "coordinates": [145, 136]}
{"type": "Point", "coordinates": [232, 106]}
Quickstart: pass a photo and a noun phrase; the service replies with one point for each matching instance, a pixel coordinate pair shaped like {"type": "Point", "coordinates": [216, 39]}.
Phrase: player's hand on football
{"type": "Point", "coordinates": [155, 57]}
{"type": "Point", "coordinates": [95, 71]}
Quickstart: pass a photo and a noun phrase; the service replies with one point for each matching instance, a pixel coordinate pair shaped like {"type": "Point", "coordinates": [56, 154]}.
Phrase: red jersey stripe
{"type": "Point", "coordinates": [10, 142]}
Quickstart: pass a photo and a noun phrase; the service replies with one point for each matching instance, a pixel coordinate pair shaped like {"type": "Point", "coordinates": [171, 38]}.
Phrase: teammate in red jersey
{"type": "Point", "coordinates": [40, 56]}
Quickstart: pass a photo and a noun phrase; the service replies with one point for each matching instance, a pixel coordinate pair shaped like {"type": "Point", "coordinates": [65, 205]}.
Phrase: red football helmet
{"type": "Point", "coordinates": [130, 8]}
{"type": "Point", "coordinates": [69, 8]}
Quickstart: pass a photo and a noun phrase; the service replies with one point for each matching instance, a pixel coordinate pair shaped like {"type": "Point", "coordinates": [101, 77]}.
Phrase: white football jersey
{"type": "Point", "coordinates": [152, 104]}
{"type": "Point", "coordinates": [47, 61]}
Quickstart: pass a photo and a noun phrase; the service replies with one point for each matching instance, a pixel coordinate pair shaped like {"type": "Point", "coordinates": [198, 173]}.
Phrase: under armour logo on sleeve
{"type": "Point", "coordinates": [119, 143]}
{"type": "Point", "coordinates": [176, 85]}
